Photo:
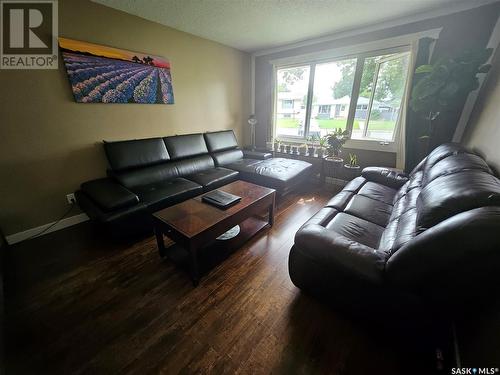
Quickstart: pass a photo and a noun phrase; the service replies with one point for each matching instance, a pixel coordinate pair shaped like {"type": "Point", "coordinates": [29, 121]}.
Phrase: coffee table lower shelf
{"type": "Point", "coordinates": [214, 253]}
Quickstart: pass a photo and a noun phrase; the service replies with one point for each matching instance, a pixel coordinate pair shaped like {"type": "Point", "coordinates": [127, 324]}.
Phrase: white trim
{"type": "Point", "coordinates": [356, 49]}
{"type": "Point", "coordinates": [274, 94]}
{"type": "Point", "coordinates": [472, 97]}
{"type": "Point", "coordinates": [445, 10]}
{"type": "Point", "coordinates": [64, 223]}
{"type": "Point", "coordinates": [252, 84]}
{"type": "Point", "coordinates": [400, 135]}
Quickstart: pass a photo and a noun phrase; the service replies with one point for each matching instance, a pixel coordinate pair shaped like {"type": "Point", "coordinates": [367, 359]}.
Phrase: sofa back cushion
{"type": "Point", "coordinates": [450, 194]}
{"type": "Point", "coordinates": [185, 146]}
{"type": "Point", "coordinates": [221, 140]}
{"type": "Point", "coordinates": [123, 155]}
{"type": "Point", "coordinates": [227, 157]}
{"type": "Point", "coordinates": [454, 163]}
{"type": "Point", "coordinates": [441, 152]}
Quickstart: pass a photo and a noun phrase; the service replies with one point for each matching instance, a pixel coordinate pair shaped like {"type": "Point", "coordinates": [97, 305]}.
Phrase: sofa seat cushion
{"type": "Point", "coordinates": [166, 193]}
{"type": "Point", "coordinates": [97, 213]}
{"type": "Point", "coordinates": [378, 192]}
{"type": "Point", "coordinates": [109, 195]}
{"type": "Point", "coordinates": [356, 229]}
{"type": "Point", "coordinates": [214, 177]}
{"type": "Point", "coordinates": [277, 173]}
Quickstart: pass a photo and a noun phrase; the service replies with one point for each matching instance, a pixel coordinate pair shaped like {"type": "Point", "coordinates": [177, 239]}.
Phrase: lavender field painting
{"type": "Point", "coordinates": [101, 74]}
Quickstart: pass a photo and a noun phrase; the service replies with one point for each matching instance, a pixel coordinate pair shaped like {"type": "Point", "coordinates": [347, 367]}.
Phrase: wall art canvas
{"type": "Point", "coordinates": [101, 74]}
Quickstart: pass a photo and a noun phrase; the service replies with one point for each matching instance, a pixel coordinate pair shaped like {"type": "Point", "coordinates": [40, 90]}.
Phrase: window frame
{"type": "Point", "coordinates": [372, 96]}
{"type": "Point", "coordinates": [368, 144]}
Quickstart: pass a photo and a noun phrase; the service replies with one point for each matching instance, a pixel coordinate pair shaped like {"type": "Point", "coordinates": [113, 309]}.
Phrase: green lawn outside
{"type": "Point", "coordinates": [337, 123]}
{"type": "Point", "coordinates": [287, 123]}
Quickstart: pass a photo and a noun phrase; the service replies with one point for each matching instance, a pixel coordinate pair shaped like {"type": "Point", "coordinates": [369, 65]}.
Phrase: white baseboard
{"type": "Point", "coordinates": [64, 223]}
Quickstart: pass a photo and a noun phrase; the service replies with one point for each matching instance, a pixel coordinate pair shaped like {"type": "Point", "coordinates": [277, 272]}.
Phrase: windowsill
{"type": "Point", "coordinates": [372, 145]}
{"type": "Point", "coordinates": [357, 144]}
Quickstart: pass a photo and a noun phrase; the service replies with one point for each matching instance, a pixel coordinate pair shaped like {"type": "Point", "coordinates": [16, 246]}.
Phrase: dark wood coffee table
{"type": "Point", "coordinates": [195, 225]}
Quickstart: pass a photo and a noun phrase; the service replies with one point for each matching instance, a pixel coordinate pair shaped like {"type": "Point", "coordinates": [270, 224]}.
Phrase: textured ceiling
{"type": "Point", "coordinates": [251, 25]}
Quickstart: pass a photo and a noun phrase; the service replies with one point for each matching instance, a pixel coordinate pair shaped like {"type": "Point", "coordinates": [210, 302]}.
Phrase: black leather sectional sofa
{"type": "Point", "coordinates": [431, 235]}
{"type": "Point", "coordinates": [146, 175]}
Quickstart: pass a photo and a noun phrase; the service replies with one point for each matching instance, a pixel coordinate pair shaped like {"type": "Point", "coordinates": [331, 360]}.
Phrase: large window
{"type": "Point", "coordinates": [362, 94]}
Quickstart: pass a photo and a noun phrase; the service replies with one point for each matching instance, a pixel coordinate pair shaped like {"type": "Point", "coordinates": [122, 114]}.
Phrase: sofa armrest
{"type": "Point", "coordinates": [339, 254]}
{"type": "Point", "coordinates": [108, 194]}
{"type": "Point", "coordinates": [247, 154]}
{"type": "Point", "coordinates": [452, 258]}
{"type": "Point", "coordinates": [390, 177]}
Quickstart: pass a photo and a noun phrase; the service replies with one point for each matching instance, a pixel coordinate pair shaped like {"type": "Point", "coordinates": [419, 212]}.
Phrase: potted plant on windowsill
{"type": "Point", "coordinates": [353, 162]}
{"type": "Point", "coordinates": [303, 149]}
{"type": "Point", "coordinates": [282, 147]}
{"type": "Point", "coordinates": [288, 148]}
{"type": "Point", "coordinates": [310, 145]}
{"type": "Point", "coordinates": [335, 141]}
{"type": "Point", "coordinates": [277, 144]}
{"type": "Point", "coordinates": [323, 143]}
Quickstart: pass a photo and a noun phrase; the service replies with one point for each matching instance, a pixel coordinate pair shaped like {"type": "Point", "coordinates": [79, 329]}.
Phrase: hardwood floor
{"type": "Point", "coordinates": [82, 304]}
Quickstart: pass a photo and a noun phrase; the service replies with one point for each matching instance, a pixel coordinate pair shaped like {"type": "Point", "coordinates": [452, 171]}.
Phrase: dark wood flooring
{"type": "Point", "coordinates": [78, 303]}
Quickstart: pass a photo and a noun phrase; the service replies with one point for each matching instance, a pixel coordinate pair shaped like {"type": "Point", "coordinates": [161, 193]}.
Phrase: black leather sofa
{"type": "Point", "coordinates": [387, 237]}
{"type": "Point", "coordinates": [146, 175]}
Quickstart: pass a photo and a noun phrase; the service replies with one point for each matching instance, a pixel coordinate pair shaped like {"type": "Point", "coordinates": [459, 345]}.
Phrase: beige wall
{"type": "Point", "coordinates": [50, 144]}
{"type": "Point", "coordinates": [483, 131]}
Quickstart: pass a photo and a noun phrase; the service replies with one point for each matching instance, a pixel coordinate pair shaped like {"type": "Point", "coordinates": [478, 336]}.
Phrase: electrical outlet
{"type": "Point", "coordinates": [71, 198]}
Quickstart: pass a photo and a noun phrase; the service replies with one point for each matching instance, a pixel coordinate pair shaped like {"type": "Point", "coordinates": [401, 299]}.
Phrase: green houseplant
{"type": "Point", "coordinates": [443, 86]}
{"type": "Point", "coordinates": [353, 162]}
{"type": "Point", "coordinates": [303, 149]}
{"type": "Point", "coordinates": [323, 143]}
{"type": "Point", "coordinates": [310, 145]}
{"type": "Point", "coordinates": [335, 141]}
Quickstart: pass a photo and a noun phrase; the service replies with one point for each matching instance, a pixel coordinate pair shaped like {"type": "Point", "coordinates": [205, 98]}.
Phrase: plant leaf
{"type": "Point", "coordinates": [424, 69]}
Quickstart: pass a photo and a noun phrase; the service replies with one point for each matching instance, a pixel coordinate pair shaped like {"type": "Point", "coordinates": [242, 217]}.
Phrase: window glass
{"type": "Point", "coordinates": [332, 92]}
{"type": "Point", "coordinates": [292, 87]}
{"type": "Point", "coordinates": [380, 97]}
